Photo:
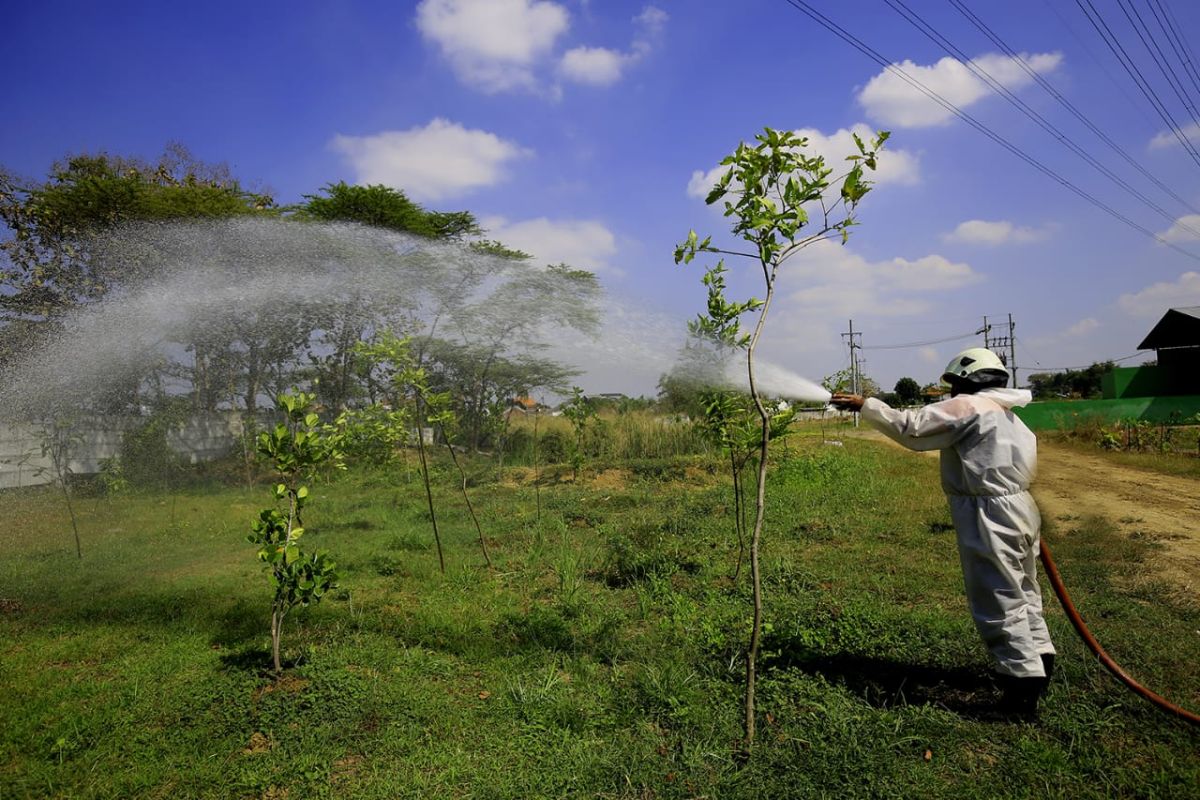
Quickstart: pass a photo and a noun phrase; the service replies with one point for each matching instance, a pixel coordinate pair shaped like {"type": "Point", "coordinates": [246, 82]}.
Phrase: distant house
{"type": "Point", "coordinates": [1176, 341]}
{"type": "Point", "coordinates": [523, 403]}
{"type": "Point", "coordinates": [933, 392]}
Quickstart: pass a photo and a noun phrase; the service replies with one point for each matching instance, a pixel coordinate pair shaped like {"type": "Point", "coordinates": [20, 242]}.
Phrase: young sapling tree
{"type": "Point", "coordinates": [775, 194]}
{"type": "Point", "coordinates": [57, 441]}
{"type": "Point", "coordinates": [730, 423]}
{"type": "Point", "coordinates": [392, 357]}
{"type": "Point", "coordinates": [439, 413]}
{"type": "Point", "coordinates": [581, 413]}
{"type": "Point", "coordinates": [410, 383]}
{"type": "Point", "coordinates": [295, 448]}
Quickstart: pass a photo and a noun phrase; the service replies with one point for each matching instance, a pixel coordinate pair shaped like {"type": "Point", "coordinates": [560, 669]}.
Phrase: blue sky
{"type": "Point", "coordinates": [584, 131]}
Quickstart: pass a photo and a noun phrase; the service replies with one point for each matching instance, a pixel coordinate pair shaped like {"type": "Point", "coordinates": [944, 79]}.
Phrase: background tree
{"type": "Point", "coordinates": [907, 391]}
{"type": "Point", "coordinates": [482, 384]}
{"type": "Point", "coordinates": [344, 324]}
{"type": "Point", "coordinates": [503, 329]}
{"type": "Point", "coordinates": [57, 256]}
{"type": "Point", "coordinates": [384, 207]}
{"type": "Point", "coordinates": [843, 381]}
{"type": "Point", "coordinates": [50, 264]}
{"type": "Point", "coordinates": [1081, 383]}
{"type": "Point", "coordinates": [772, 186]}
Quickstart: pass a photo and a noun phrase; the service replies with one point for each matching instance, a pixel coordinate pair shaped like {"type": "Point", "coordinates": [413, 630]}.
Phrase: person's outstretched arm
{"type": "Point", "coordinates": [934, 427]}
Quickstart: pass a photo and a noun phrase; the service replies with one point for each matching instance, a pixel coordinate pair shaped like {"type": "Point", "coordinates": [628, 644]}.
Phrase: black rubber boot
{"type": "Point", "coordinates": [1019, 696]}
{"type": "Point", "coordinates": [1048, 665]}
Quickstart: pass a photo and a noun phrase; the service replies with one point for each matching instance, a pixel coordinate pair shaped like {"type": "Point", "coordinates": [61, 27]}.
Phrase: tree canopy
{"type": "Point", "coordinates": [1070, 383]}
{"type": "Point", "coordinates": [384, 207]}
{"type": "Point", "coordinates": [478, 312]}
{"type": "Point", "coordinates": [47, 266]}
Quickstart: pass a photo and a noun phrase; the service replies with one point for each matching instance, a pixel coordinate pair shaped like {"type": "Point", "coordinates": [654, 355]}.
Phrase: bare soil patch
{"type": "Point", "coordinates": [1162, 508]}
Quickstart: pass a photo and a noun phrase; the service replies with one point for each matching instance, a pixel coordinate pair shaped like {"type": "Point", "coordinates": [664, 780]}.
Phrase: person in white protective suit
{"type": "Point", "coordinates": [988, 459]}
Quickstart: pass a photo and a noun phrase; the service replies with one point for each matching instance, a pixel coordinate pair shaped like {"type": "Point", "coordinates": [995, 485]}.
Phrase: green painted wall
{"type": "Point", "coordinates": [1141, 382]}
{"type": "Point", "coordinates": [1062, 414]}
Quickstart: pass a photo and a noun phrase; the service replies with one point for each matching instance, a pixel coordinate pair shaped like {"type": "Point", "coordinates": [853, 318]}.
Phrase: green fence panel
{"type": "Point", "coordinates": [1066, 414]}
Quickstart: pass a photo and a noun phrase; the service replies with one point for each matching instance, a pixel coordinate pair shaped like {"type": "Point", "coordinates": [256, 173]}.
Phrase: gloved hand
{"type": "Point", "coordinates": [847, 402]}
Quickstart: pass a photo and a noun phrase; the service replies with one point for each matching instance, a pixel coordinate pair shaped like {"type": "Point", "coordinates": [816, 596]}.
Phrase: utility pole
{"type": "Point", "coordinates": [998, 345]}
{"type": "Point", "coordinates": [1012, 350]}
{"type": "Point", "coordinates": [855, 341]}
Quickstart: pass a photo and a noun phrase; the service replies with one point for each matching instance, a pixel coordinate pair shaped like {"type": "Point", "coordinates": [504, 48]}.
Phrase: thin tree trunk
{"type": "Point", "coordinates": [71, 510]}
{"type": "Point", "coordinates": [253, 378]}
{"type": "Point", "coordinates": [276, 637]}
{"type": "Point", "coordinates": [739, 520]}
{"type": "Point", "coordinates": [537, 471]}
{"type": "Point", "coordinates": [759, 512]}
{"type": "Point", "coordinates": [471, 509]}
{"type": "Point", "coordinates": [246, 460]}
{"type": "Point", "coordinates": [429, 493]}
{"type": "Point", "coordinates": [58, 456]}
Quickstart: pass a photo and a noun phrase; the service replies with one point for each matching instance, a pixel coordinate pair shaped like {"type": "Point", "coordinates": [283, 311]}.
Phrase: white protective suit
{"type": "Point", "coordinates": [988, 460]}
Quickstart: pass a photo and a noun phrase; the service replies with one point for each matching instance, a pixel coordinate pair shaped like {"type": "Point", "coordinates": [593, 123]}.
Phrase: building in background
{"type": "Point", "coordinates": [1176, 340]}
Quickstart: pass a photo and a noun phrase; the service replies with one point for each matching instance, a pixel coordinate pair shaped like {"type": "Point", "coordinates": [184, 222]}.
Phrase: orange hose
{"type": "Point", "coordinates": [1094, 646]}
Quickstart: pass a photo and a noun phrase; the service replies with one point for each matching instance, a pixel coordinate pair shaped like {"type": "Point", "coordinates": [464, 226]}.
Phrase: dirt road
{"type": "Point", "coordinates": [1163, 508]}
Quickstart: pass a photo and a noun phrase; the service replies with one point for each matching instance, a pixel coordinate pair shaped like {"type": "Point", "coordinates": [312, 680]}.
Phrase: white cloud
{"type": "Point", "coordinates": [931, 273]}
{"type": "Point", "coordinates": [978, 231]}
{"type": "Point", "coordinates": [894, 166]}
{"type": "Point", "coordinates": [602, 66]}
{"type": "Point", "coordinates": [701, 182]}
{"type": "Point", "coordinates": [493, 45]}
{"type": "Point", "coordinates": [1154, 300]}
{"type": "Point", "coordinates": [506, 45]}
{"type": "Point", "coordinates": [597, 66]}
{"type": "Point", "coordinates": [648, 30]}
{"type": "Point", "coordinates": [1083, 327]}
{"type": "Point", "coordinates": [890, 100]}
{"type": "Point", "coordinates": [830, 280]}
{"type": "Point", "coordinates": [440, 160]}
{"type": "Point", "coordinates": [1185, 229]}
{"type": "Point", "coordinates": [584, 244]}
{"type": "Point", "coordinates": [827, 284]}
{"type": "Point", "coordinates": [1167, 139]}
{"type": "Point", "coordinates": [900, 167]}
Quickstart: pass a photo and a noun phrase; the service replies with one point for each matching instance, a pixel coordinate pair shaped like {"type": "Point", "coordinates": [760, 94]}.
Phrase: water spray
{"type": "Point", "coordinates": [777, 381]}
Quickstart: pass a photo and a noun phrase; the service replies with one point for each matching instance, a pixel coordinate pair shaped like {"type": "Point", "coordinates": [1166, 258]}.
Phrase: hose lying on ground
{"type": "Point", "coordinates": [1094, 646]}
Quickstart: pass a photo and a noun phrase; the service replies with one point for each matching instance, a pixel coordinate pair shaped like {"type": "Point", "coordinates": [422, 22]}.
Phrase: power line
{"type": "Point", "coordinates": [825, 22]}
{"type": "Point", "coordinates": [1176, 42]}
{"type": "Point", "coordinates": [920, 24]}
{"type": "Point", "coordinates": [1040, 367]}
{"type": "Point", "coordinates": [1052, 6]}
{"type": "Point", "coordinates": [1053, 92]}
{"type": "Point", "coordinates": [1114, 45]}
{"type": "Point", "coordinates": [908, 345]}
{"type": "Point", "coordinates": [1183, 43]}
{"type": "Point", "coordinates": [1160, 59]}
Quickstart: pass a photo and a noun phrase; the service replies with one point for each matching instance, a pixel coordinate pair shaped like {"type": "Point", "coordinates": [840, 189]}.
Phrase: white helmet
{"type": "Point", "coordinates": [975, 365]}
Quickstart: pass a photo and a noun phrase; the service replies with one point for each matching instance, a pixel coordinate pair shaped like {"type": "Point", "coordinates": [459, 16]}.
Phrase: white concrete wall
{"type": "Point", "coordinates": [201, 438]}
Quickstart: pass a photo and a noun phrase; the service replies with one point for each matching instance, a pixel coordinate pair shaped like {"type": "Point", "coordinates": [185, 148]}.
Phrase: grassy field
{"type": "Point", "coordinates": [602, 657]}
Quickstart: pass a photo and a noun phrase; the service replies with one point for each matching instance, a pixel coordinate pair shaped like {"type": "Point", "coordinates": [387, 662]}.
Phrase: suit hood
{"type": "Point", "coordinates": [1008, 398]}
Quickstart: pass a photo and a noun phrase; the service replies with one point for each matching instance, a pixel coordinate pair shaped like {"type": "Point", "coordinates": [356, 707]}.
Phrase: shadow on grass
{"type": "Point", "coordinates": [255, 660]}
{"type": "Point", "coordinates": [887, 683]}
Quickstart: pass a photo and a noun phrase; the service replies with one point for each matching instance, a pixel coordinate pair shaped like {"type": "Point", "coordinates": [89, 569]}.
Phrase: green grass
{"type": "Point", "coordinates": [601, 658]}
